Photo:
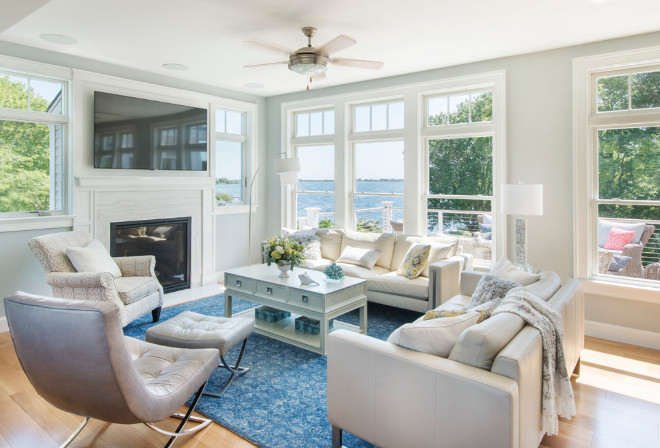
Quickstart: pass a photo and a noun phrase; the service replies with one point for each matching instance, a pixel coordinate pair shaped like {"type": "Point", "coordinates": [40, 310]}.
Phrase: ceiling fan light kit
{"type": "Point", "coordinates": [310, 62]}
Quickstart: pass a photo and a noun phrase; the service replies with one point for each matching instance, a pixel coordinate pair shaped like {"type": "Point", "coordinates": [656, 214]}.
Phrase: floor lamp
{"type": "Point", "coordinates": [288, 169]}
{"type": "Point", "coordinates": [522, 200]}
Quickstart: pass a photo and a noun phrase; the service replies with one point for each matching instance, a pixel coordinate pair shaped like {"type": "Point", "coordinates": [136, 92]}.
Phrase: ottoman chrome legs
{"type": "Point", "coordinates": [236, 370]}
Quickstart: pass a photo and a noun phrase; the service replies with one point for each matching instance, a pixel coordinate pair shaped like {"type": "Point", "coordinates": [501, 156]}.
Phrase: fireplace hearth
{"type": "Point", "coordinates": [166, 239]}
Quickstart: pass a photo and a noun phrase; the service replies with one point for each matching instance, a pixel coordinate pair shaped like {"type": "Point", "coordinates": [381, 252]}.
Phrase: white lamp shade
{"type": "Point", "coordinates": [522, 199]}
{"type": "Point", "coordinates": [289, 178]}
{"type": "Point", "coordinates": [288, 170]}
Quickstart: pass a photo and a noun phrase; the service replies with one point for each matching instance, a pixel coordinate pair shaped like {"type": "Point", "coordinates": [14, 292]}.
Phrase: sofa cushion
{"type": "Point", "coordinates": [605, 226]}
{"type": "Point", "coordinates": [330, 242]}
{"type": "Point", "coordinates": [508, 271]}
{"type": "Point", "coordinates": [434, 336]}
{"type": "Point", "coordinates": [358, 256]}
{"type": "Point", "coordinates": [360, 272]}
{"type": "Point", "coordinates": [382, 242]}
{"type": "Point", "coordinates": [415, 261]}
{"type": "Point", "coordinates": [479, 344]}
{"type": "Point", "coordinates": [317, 265]}
{"type": "Point", "coordinates": [442, 247]}
{"type": "Point", "coordinates": [546, 287]}
{"type": "Point", "coordinates": [491, 287]}
{"type": "Point", "coordinates": [391, 283]}
{"type": "Point", "coordinates": [92, 258]}
{"type": "Point", "coordinates": [132, 289]}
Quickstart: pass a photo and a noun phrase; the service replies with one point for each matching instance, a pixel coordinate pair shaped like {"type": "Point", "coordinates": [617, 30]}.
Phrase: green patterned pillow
{"type": "Point", "coordinates": [414, 261]}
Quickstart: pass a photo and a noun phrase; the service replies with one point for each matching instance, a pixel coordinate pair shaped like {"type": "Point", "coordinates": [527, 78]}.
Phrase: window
{"type": "Point", "coordinates": [460, 169]}
{"type": "Point", "coordinates": [619, 148]}
{"type": "Point", "coordinates": [378, 185]}
{"type": "Point", "coordinates": [315, 123]}
{"type": "Point", "coordinates": [33, 137]}
{"type": "Point", "coordinates": [315, 192]}
{"type": "Point", "coordinates": [230, 158]}
{"type": "Point", "coordinates": [378, 117]}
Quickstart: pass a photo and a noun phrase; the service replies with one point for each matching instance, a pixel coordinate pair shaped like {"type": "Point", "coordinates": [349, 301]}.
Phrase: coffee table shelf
{"type": "Point", "coordinates": [323, 302]}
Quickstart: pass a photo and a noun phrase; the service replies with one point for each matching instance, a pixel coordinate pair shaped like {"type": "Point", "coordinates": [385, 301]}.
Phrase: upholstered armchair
{"type": "Point", "coordinates": [135, 292]}
{"type": "Point", "coordinates": [632, 268]}
{"type": "Point", "coordinates": [77, 358]}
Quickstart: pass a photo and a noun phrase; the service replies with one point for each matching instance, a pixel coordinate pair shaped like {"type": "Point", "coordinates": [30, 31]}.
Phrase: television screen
{"type": "Point", "coordinates": [134, 133]}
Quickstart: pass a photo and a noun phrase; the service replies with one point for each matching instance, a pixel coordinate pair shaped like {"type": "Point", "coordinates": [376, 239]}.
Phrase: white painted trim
{"type": "Point", "coordinates": [4, 326]}
{"type": "Point", "coordinates": [132, 182]}
{"type": "Point", "coordinates": [626, 335]}
{"type": "Point", "coordinates": [622, 291]}
{"type": "Point", "coordinates": [35, 223]}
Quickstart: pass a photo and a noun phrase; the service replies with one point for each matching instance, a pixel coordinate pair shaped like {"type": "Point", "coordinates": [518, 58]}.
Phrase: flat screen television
{"type": "Point", "coordinates": [134, 133]}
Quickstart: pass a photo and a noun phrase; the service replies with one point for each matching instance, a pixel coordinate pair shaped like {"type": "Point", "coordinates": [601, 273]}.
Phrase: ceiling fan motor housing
{"type": "Point", "coordinates": [307, 62]}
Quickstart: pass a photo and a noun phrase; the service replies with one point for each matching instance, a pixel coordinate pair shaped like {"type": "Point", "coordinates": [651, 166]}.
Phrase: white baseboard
{"type": "Point", "coordinates": [3, 324]}
{"type": "Point", "coordinates": [633, 336]}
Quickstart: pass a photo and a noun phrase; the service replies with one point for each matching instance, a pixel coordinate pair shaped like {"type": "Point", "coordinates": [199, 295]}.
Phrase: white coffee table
{"type": "Point", "coordinates": [323, 302]}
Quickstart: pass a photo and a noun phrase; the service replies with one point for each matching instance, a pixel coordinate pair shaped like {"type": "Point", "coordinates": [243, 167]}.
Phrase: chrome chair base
{"type": "Point", "coordinates": [201, 423]}
{"type": "Point", "coordinates": [236, 370]}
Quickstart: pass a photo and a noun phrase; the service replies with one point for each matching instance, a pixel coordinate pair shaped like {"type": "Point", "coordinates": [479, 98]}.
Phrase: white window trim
{"type": "Point", "coordinates": [585, 171]}
{"type": "Point", "coordinates": [15, 221]}
{"type": "Point", "coordinates": [413, 136]}
{"type": "Point", "coordinates": [249, 140]}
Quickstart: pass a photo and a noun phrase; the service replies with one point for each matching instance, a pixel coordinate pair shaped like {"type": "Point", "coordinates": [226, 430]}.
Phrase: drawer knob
{"type": "Point", "coordinates": [269, 290]}
{"type": "Point", "coordinates": [238, 283]}
{"type": "Point", "coordinates": [305, 299]}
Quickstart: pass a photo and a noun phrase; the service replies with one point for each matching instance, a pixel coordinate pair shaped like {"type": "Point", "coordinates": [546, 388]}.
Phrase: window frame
{"type": "Point", "coordinates": [248, 140]}
{"type": "Point", "coordinates": [33, 219]}
{"type": "Point", "coordinates": [587, 122]}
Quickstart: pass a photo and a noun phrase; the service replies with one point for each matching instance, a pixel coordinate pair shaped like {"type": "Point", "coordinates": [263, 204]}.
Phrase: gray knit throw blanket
{"type": "Point", "coordinates": [558, 398]}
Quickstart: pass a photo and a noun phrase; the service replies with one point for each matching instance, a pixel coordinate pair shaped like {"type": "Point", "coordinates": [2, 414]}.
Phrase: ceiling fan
{"type": "Point", "coordinates": [312, 62]}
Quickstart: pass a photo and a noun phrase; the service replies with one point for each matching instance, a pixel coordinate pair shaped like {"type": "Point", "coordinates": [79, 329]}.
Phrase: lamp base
{"type": "Point", "coordinates": [521, 241]}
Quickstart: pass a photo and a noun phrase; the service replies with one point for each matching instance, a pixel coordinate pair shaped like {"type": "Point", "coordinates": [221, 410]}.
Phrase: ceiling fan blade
{"type": "Point", "coordinates": [267, 46]}
{"type": "Point", "coordinates": [337, 44]}
{"type": "Point", "coordinates": [359, 63]}
{"type": "Point", "coordinates": [266, 64]}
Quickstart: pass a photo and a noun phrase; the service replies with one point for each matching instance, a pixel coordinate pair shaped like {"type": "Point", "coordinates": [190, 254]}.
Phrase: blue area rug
{"type": "Point", "coordinates": [281, 401]}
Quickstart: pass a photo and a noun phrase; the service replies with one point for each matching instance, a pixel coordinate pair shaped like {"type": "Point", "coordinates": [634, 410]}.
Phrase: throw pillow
{"type": "Point", "coordinates": [491, 287]}
{"type": "Point", "coordinates": [605, 226]}
{"type": "Point", "coordinates": [508, 271]}
{"type": "Point", "coordinates": [439, 252]}
{"type": "Point", "coordinates": [415, 261]}
{"type": "Point", "coordinates": [434, 336]}
{"type": "Point", "coordinates": [618, 263]}
{"type": "Point", "coordinates": [92, 258]}
{"type": "Point", "coordinates": [311, 243]}
{"type": "Point", "coordinates": [618, 238]}
{"type": "Point", "coordinates": [359, 257]}
{"type": "Point", "coordinates": [484, 312]}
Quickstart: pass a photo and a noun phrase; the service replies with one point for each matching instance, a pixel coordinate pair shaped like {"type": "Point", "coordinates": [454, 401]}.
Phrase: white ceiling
{"type": "Point", "coordinates": [209, 36]}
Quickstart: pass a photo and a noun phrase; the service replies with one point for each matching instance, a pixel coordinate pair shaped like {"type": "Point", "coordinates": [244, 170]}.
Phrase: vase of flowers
{"type": "Point", "coordinates": [333, 273]}
{"type": "Point", "coordinates": [284, 252]}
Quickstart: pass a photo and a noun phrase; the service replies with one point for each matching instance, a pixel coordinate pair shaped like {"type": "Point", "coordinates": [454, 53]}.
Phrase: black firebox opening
{"type": "Point", "coordinates": [166, 239]}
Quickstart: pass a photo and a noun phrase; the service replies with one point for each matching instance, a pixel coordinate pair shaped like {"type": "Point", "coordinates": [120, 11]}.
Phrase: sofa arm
{"type": "Point", "coordinates": [444, 279]}
{"type": "Point", "coordinates": [469, 281]}
{"type": "Point", "coordinates": [393, 397]}
{"type": "Point", "coordinates": [137, 266]}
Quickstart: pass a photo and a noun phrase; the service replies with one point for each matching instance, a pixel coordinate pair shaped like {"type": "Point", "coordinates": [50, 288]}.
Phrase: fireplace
{"type": "Point", "coordinates": [166, 239]}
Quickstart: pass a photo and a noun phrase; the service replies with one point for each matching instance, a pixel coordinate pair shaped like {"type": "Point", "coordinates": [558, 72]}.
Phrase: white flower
{"type": "Point", "coordinates": [280, 249]}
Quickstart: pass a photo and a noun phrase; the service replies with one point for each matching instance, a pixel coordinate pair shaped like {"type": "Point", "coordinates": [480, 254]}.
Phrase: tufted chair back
{"type": "Point", "coordinates": [50, 249]}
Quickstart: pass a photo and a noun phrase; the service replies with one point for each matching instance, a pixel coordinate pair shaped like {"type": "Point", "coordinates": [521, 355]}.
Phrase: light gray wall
{"type": "Point", "coordinates": [539, 150]}
{"type": "Point", "coordinates": [20, 270]}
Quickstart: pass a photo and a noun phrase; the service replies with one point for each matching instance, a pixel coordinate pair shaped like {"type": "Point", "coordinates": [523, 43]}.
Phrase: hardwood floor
{"type": "Point", "coordinates": [618, 403]}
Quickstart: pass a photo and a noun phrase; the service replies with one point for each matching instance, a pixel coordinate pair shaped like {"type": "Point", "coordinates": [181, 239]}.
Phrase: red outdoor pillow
{"type": "Point", "coordinates": [618, 238]}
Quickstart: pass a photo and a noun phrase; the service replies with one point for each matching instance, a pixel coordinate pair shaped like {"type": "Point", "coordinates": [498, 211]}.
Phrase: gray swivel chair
{"type": "Point", "coordinates": [77, 358]}
{"type": "Point", "coordinates": [136, 292]}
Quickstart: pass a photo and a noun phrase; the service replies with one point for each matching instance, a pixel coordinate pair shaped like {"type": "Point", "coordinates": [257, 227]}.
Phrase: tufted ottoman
{"type": "Point", "coordinates": [193, 330]}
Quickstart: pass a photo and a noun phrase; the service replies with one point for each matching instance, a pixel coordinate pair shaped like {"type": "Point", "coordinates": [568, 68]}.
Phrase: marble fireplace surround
{"type": "Point", "coordinates": [105, 205]}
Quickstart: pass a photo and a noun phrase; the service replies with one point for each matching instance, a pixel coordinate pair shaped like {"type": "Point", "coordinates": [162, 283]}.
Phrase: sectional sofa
{"type": "Point", "coordinates": [383, 284]}
{"type": "Point", "coordinates": [486, 393]}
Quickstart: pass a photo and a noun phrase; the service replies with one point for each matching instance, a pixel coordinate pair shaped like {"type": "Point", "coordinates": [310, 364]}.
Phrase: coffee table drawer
{"type": "Point", "coordinates": [270, 291]}
{"type": "Point", "coordinates": [306, 299]}
{"type": "Point", "coordinates": [239, 283]}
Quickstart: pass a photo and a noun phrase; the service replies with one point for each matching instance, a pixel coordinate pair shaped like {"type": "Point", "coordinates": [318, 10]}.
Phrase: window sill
{"type": "Point", "coordinates": [23, 223]}
{"type": "Point", "coordinates": [234, 209]}
{"type": "Point", "coordinates": [646, 291]}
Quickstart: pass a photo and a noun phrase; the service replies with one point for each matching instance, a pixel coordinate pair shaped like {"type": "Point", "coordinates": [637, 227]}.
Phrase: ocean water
{"type": "Point", "coordinates": [326, 201]}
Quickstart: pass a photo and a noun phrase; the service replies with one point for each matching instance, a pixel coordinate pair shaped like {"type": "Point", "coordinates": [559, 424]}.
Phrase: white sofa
{"type": "Point", "coordinates": [384, 286]}
{"type": "Point", "coordinates": [393, 397]}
